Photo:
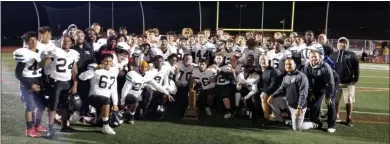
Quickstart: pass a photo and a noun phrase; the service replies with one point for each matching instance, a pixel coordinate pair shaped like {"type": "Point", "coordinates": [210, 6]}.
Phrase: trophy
{"type": "Point", "coordinates": [192, 111]}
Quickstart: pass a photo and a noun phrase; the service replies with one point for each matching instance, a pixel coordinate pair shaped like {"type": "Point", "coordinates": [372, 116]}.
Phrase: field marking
{"type": "Point", "coordinates": [372, 77]}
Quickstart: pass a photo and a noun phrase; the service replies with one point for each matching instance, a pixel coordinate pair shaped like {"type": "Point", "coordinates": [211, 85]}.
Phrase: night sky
{"type": "Point", "coordinates": [362, 20]}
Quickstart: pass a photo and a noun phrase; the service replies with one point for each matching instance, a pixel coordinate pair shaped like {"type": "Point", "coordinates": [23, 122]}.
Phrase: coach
{"type": "Point", "coordinates": [321, 83]}
{"type": "Point", "coordinates": [347, 67]}
{"type": "Point", "coordinates": [86, 57]}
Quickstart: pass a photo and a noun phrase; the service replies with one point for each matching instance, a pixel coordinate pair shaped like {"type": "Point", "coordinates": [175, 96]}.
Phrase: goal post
{"type": "Point", "coordinates": [258, 30]}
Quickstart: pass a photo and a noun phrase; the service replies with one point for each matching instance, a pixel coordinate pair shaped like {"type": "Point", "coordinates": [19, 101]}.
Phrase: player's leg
{"type": "Point", "coordinates": [83, 88]}
{"type": "Point", "coordinates": [209, 101]}
{"type": "Point", "coordinates": [339, 94]}
{"type": "Point", "coordinates": [265, 106]}
{"type": "Point", "coordinates": [64, 106]}
{"type": "Point", "coordinates": [315, 108]}
{"type": "Point", "coordinates": [276, 105]}
{"type": "Point", "coordinates": [226, 96]}
{"type": "Point", "coordinates": [147, 96]}
{"type": "Point", "coordinates": [103, 104]}
{"type": "Point", "coordinates": [54, 98]}
{"type": "Point", "coordinates": [162, 98]}
{"type": "Point", "coordinates": [40, 104]}
{"type": "Point", "coordinates": [349, 99]}
{"type": "Point", "coordinates": [131, 102]}
{"type": "Point", "coordinates": [331, 114]}
{"type": "Point", "coordinates": [298, 123]}
{"type": "Point", "coordinates": [29, 105]}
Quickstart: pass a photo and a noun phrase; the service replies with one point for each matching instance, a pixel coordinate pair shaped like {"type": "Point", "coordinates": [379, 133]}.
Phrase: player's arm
{"type": "Point", "coordinates": [19, 74]}
{"type": "Point", "coordinates": [126, 88]}
{"type": "Point", "coordinates": [355, 67]}
{"type": "Point", "coordinates": [158, 87]}
{"type": "Point", "coordinates": [253, 87]}
{"type": "Point", "coordinates": [280, 90]}
{"type": "Point", "coordinates": [114, 93]}
{"type": "Point", "coordinates": [74, 78]}
{"type": "Point", "coordinates": [166, 80]}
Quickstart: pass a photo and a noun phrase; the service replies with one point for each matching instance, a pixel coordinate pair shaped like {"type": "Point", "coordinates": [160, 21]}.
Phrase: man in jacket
{"type": "Point", "coordinates": [295, 87]}
{"type": "Point", "coordinates": [347, 67]}
{"type": "Point", "coordinates": [321, 84]}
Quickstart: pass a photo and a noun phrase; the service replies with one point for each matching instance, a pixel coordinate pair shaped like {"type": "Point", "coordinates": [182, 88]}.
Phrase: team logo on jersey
{"type": "Point", "coordinates": [87, 52]}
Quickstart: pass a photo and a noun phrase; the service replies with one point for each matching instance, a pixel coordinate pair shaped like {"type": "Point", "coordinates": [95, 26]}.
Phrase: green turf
{"type": "Point", "coordinates": [213, 129]}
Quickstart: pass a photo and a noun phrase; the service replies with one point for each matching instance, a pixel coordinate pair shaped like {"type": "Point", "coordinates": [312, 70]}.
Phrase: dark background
{"type": "Point", "coordinates": [358, 20]}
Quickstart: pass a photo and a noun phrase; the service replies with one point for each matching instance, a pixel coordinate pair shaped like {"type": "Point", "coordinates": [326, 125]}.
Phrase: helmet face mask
{"type": "Point", "coordinates": [75, 102]}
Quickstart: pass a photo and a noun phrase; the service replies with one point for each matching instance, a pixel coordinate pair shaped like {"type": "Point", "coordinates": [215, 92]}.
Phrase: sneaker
{"type": "Point", "coordinates": [160, 109]}
{"type": "Point", "coordinates": [67, 129]}
{"type": "Point", "coordinates": [288, 122]}
{"type": "Point", "coordinates": [131, 120]}
{"type": "Point", "coordinates": [108, 130]}
{"type": "Point", "coordinates": [227, 115]}
{"type": "Point", "coordinates": [51, 134]}
{"type": "Point", "coordinates": [331, 130]}
{"type": "Point", "coordinates": [208, 111]}
{"type": "Point", "coordinates": [40, 128]}
{"type": "Point", "coordinates": [338, 120]}
{"type": "Point", "coordinates": [349, 122]}
{"type": "Point", "coordinates": [31, 132]}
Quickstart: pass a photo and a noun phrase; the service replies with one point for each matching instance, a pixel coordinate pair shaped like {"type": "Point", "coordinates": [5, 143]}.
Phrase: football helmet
{"type": "Point", "coordinates": [75, 102]}
{"type": "Point", "coordinates": [115, 119]}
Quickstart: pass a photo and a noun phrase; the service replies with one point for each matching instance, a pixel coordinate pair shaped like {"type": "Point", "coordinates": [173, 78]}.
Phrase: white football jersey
{"type": "Point", "coordinates": [205, 78]}
{"type": "Point", "coordinates": [103, 82]}
{"type": "Point", "coordinates": [62, 64]}
{"type": "Point", "coordinates": [227, 55]}
{"type": "Point", "coordinates": [239, 49]}
{"type": "Point", "coordinates": [31, 60]}
{"type": "Point", "coordinates": [185, 73]}
{"type": "Point", "coordinates": [135, 83]}
{"type": "Point", "coordinates": [44, 47]}
{"type": "Point", "coordinates": [170, 50]}
{"type": "Point", "coordinates": [162, 75]}
{"type": "Point", "coordinates": [275, 58]}
{"type": "Point", "coordinates": [203, 51]}
{"type": "Point", "coordinates": [250, 82]}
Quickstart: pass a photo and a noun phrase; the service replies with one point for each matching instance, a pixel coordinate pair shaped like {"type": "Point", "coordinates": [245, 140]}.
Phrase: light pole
{"type": "Point", "coordinates": [326, 19]}
{"type": "Point", "coordinates": [240, 6]}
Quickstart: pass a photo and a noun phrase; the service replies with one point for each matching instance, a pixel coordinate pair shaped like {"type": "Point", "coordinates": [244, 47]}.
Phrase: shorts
{"type": "Point", "coordinates": [32, 100]}
{"type": "Point", "coordinates": [348, 93]}
{"type": "Point", "coordinates": [98, 101]}
{"type": "Point", "coordinates": [224, 91]}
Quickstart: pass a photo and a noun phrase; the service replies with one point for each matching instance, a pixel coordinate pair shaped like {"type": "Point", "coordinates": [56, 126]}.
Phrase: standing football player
{"type": "Point", "coordinates": [103, 89]}
{"type": "Point", "coordinates": [28, 71]}
{"type": "Point", "coordinates": [276, 55]}
{"type": "Point", "coordinates": [185, 68]}
{"type": "Point", "coordinates": [63, 69]}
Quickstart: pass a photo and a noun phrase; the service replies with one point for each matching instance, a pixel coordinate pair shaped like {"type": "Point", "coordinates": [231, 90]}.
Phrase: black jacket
{"type": "Point", "coordinates": [321, 79]}
{"type": "Point", "coordinates": [295, 87]}
{"type": "Point", "coordinates": [347, 66]}
{"type": "Point", "coordinates": [269, 81]}
{"type": "Point", "coordinates": [87, 56]}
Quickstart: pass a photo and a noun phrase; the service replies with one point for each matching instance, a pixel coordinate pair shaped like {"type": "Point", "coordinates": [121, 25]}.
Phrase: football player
{"type": "Point", "coordinates": [240, 44]}
{"type": "Point", "coordinates": [228, 51]}
{"type": "Point", "coordinates": [185, 68]}
{"type": "Point", "coordinates": [182, 49]}
{"type": "Point", "coordinates": [174, 74]}
{"type": "Point", "coordinates": [28, 71]}
{"type": "Point", "coordinates": [63, 69]}
{"type": "Point", "coordinates": [103, 88]}
{"type": "Point", "coordinates": [251, 50]}
{"type": "Point", "coordinates": [165, 48]}
{"type": "Point", "coordinates": [309, 40]}
{"type": "Point", "coordinates": [247, 88]}
{"type": "Point", "coordinates": [206, 78]}
{"type": "Point", "coordinates": [161, 78]}
{"type": "Point", "coordinates": [224, 87]}
{"type": "Point", "coordinates": [204, 48]}
{"type": "Point", "coordinates": [134, 86]}
{"type": "Point", "coordinates": [276, 54]}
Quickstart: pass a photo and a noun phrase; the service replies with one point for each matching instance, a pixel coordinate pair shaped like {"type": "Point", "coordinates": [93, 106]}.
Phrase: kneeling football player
{"type": "Point", "coordinates": [134, 85]}
{"type": "Point", "coordinates": [247, 87]}
{"type": "Point", "coordinates": [103, 89]}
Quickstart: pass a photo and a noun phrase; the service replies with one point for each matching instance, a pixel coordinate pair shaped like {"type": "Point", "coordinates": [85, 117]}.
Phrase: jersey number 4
{"type": "Point", "coordinates": [103, 82]}
{"type": "Point", "coordinates": [61, 63]}
{"type": "Point", "coordinates": [34, 68]}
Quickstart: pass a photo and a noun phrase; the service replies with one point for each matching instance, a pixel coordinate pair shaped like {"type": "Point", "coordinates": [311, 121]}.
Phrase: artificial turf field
{"type": "Point", "coordinates": [371, 121]}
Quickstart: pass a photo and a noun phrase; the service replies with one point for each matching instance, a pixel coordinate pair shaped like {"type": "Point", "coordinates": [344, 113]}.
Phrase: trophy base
{"type": "Point", "coordinates": [191, 115]}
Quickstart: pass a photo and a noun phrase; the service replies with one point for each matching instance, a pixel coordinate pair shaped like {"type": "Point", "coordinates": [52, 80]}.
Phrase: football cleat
{"type": "Point", "coordinates": [208, 111]}
{"type": "Point", "coordinates": [40, 128]}
{"type": "Point", "coordinates": [227, 115]}
{"type": "Point", "coordinates": [31, 132]}
{"type": "Point", "coordinates": [108, 130]}
{"type": "Point", "coordinates": [331, 130]}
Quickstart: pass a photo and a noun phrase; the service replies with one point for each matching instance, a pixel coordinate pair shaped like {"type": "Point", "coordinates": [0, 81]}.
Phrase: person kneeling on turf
{"type": "Point", "coordinates": [103, 88]}
{"type": "Point", "coordinates": [295, 87]}
{"type": "Point", "coordinates": [134, 85]}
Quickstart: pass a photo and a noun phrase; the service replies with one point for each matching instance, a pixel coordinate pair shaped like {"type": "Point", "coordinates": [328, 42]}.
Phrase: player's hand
{"type": "Point", "coordinates": [269, 100]}
{"type": "Point", "coordinates": [114, 108]}
{"type": "Point", "coordinates": [177, 71]}
{"type": "Point", "coordinates": [328, 101]}
{"type": "Point", "coordinates": [35, 88]}
{"type": "Point", "coordinates": [73, 90]}
{"type": "Point", "coordinates": [170, 98]}
{"type": "Point", "coordinates": [298, 113]}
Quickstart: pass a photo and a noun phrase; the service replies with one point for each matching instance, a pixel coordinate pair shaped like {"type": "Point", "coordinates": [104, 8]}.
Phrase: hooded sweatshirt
{"type": "Point", "coordinates": [346, 64]}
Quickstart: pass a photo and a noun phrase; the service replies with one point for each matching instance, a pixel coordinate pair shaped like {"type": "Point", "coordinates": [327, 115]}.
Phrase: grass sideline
{"type": "Point", "coordinates": [372, 96]}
